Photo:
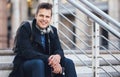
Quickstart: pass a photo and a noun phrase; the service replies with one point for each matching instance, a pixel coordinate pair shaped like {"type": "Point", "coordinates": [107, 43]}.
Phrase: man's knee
{"type": "Point", "coordinates": [34, 64]}
{"type": "Point", "coordinates": [37, 63]}
{"type": "Point", "coordinates": [69, 68]}
{"type": "Point", "coordinates": [68, 62]}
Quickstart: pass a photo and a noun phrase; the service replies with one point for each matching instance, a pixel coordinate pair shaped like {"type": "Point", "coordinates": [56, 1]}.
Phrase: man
{"type": "Point", "coordinates": [38, 50]}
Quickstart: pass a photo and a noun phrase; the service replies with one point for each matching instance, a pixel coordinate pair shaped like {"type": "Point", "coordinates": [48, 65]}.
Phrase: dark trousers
{"type": "Point", "coordinates": [37, 68]}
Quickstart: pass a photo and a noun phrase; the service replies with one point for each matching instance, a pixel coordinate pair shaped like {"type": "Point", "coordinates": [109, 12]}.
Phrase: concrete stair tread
{"type": "Point", "coordinates": [9, 58]}
{"type": "Point", "coordinates": [6, 52]}
{"type": "Point", "coordinates": [9, 51]}
{"type": "Point", "coordinates": [4, 73]}
{"type": "Point", "coordinates": [10, 65]}
{"type": "Point", "coordinates": [87, 60]}
{"type": "Point", "coordinates": [84, 69]}
{"type": "Point", "coordinates": [6, 68]}
{"type": "Point", "coordinates": [82, 56]}
{"type": "Point", "coordinates": [89, 51]}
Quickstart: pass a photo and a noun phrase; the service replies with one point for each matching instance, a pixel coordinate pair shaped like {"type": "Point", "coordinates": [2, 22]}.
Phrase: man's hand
{"type": "Point", "coordinates": [54, 62]}
{"type": "Point", "coordinates": [57, 69]}
{"type": "Point", "coordinates": [54, 59]}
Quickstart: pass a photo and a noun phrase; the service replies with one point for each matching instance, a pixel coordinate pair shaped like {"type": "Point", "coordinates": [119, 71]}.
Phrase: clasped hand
{"type": "Point", "coordinates": [54, 62]}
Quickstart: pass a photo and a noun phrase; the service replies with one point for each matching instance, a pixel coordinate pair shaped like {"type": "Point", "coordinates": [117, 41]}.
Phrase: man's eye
{"type": "Point", "coordinates": [47, 17]}
{"type": "Point", "coordinates": [40, 15]}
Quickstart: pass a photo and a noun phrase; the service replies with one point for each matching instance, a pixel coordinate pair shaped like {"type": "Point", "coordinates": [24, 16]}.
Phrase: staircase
{"type": "Point", "coordinates": [83, 71]}
{"type": "Point", "coordinates": [92, 58]}
{"type": "Point", "coordinates": [6, 58]}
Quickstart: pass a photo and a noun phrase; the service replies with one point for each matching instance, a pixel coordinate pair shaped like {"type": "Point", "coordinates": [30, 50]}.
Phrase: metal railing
{"type": "Point", "coordinates": [85, 40]}
{"type": "Point", "coordinates": [95, 18]}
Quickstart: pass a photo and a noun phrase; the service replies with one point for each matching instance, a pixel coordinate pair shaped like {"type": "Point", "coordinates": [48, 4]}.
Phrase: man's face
{"type": "Point", "coordinates": [43, 18]}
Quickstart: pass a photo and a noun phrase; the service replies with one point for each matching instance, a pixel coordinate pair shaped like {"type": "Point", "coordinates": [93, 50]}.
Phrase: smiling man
{"type": "Point", "coordinates": [43, 17]}
{"type": "Point", "coordinates": [38, 50]}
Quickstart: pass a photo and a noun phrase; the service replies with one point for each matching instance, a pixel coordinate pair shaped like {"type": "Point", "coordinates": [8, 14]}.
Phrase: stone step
{"type": "Point", "coordinates": [109, 58]}
{"type": "Point", "coordinates": [4, 73]}
{"type": "Point", "coordinates": [85, 59]}
{"type": "Point", "coordinates": [90, 51]}
{"type": "Point", "coordinates": [88, 60]}
{"type": "Point", "coordinates": [6, 52]}
{"type": "Point", "coordinates": [82, 71]}
{"type": "Point", "coordinates": [6, 66]}
{"type": "Point", "coordinates": [10, 52]}
{"type": "Point", "coordinates": [7, 56]}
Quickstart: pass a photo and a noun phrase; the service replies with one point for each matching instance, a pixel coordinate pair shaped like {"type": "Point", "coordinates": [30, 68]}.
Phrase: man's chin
{"type": "Point", "coordinates": [44, 27]}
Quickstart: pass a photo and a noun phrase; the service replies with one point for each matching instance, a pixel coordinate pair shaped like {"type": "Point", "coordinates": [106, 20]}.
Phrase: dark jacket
{"type": "Point", "coordinates": [28, 46]}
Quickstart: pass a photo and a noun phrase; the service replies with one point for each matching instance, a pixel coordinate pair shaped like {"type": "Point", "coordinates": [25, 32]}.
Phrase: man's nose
{"type": "Point", "coordinates": [44, 18]}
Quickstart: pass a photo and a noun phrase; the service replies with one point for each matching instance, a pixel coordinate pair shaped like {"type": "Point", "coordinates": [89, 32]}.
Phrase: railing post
{"type": "Point", "coordinates": [95, 50]}
{"type": "Point", "coordinates": [55, 13]}
{"type": "Point", "coordinates": [95, 18]}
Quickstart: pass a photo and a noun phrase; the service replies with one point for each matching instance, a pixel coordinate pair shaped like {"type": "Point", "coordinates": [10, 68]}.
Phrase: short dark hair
{"type": "Point", "coordinates": [44, 6]}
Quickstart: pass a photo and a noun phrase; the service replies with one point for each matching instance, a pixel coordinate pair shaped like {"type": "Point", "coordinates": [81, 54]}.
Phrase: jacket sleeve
{"type": "Point", "coordinates": [57, 45]}
{"type": "Point", "coordinates": [24, 46]}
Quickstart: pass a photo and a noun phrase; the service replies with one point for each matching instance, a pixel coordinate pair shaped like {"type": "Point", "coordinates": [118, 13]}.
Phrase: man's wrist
{"type": "Point", "coordinates": [63, 71]}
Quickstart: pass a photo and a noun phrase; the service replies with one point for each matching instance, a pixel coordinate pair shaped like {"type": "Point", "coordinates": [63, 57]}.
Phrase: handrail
{"type": "Point", "coordinates": [106, 72]}
{"type": "Point", "coordinates": [109, 42]}
{"type": "Point", "coordinates": [110, 53]}
{"type": "Point", "coordinates": [110, 64]}
{"type": "Point", "coordinates": [75, 25]}
{"type": "Point", "coordinates": [74, 44]}
{"type": "Point", "coordinates": [74, 34]}
{"type": "Point", "coordinates": [75, 54]}
{"type": "Point", "coordinates": [95, 18]}
{"type": "Point", "coordinates": [74, 15]}
{"type": "Point", "coordinates": [101, 13]}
